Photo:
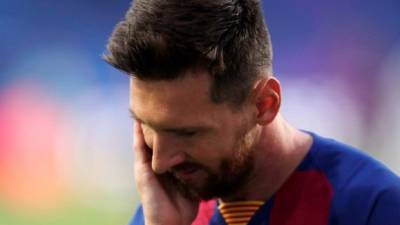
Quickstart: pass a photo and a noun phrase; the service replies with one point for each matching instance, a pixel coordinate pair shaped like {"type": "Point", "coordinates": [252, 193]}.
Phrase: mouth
{"type": "Point", "coordinates": [185, 172]}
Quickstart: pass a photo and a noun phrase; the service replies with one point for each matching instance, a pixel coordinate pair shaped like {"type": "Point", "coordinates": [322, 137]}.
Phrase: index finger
{"type": "Point", "coordinates": [139, 145]}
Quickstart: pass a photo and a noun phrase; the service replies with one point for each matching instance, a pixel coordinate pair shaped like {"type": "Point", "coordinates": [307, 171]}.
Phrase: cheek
{"type": "Point", "coordinates": [212, 151]}
{"type": "Point", "coordinates": [226, 147]}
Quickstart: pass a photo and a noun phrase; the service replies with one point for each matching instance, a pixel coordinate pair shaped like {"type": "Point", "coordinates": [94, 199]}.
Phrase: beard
{"type": "Point", "coordinates": [232, 174]}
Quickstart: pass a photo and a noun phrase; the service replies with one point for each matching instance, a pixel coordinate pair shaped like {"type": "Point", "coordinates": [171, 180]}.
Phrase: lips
{"type": "Point", "coordinates": [185, 171]}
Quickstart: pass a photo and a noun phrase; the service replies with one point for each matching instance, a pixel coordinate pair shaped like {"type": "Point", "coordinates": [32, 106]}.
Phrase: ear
{"type": "Point", "coordinates": [267, 100]}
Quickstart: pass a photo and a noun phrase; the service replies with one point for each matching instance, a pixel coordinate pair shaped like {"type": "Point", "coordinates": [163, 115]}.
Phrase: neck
{"type": "Point", "coordinates": [279, 149]}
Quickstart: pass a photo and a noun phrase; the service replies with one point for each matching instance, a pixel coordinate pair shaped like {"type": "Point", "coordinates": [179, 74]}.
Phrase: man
{"type": "Point", "coordinates": [210, 144]}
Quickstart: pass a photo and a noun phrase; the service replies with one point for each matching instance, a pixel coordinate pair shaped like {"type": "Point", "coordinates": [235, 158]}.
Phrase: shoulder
{"type": "Point", "coordinates": [364, 189]}
{"type": "Point", "coordinates": [346, 166]}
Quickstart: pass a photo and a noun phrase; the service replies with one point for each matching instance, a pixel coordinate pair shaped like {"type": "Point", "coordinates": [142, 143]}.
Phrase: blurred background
{"type": "Point", "coordinates": [65, 133]}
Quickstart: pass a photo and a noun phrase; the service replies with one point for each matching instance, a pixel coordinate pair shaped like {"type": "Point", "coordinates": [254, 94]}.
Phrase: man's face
{"type": "Point", "coordinates": [206, 148]}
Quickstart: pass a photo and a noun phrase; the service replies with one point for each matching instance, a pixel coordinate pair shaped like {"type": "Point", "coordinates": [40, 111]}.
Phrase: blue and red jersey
{"type": "Point", "coordinates": [335, 184]}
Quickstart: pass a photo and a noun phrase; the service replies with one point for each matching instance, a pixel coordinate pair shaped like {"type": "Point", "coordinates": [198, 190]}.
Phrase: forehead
{"type": "Point", "coordinates": [178, 102]}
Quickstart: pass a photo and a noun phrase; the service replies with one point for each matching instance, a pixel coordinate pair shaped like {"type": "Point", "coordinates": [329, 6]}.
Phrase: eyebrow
{"type": "Point", "coordinates": [177, 130]}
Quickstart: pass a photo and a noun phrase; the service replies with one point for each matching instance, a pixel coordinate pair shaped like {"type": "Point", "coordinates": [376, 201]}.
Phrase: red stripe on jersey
{"type": "Point", "coordinates": [304, 199]}
{"type": "Point", "coordinates": [206, 211]}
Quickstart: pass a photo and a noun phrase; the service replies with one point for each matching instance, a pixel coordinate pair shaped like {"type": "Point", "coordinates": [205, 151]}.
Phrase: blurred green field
{"type": "Point", "coordinates": [74, 214]}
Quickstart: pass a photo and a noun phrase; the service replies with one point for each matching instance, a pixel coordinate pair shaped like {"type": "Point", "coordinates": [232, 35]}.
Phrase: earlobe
{"type": "Point", "coordinates": [268, 100]}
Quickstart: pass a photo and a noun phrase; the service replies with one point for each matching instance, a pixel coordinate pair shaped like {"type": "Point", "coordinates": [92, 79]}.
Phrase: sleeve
{"type": "Point", "coordinates": [387, 208]}
{"type": "Point", "coordinates": [138, 218]}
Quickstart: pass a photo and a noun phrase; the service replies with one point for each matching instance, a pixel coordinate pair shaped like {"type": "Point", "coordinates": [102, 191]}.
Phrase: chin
{"type": "Point", "coordinates": [209, 188]}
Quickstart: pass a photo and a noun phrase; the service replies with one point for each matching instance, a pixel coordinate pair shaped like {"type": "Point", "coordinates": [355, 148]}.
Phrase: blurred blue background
{"type": "Point", "coordinates": [65, 133]}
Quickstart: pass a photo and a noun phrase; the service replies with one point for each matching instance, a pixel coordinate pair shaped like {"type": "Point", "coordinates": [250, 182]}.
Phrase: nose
{"type": "Point", "coordinates": [166, 154]}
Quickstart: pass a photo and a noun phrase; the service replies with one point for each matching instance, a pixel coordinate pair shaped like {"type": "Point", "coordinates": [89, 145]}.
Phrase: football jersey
{"type": "Point", "coordinates": [335, 184]}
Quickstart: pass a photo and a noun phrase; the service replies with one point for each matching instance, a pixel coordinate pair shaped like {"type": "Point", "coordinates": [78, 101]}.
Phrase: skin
{"type": "Point", "coordinates": [178, 124]}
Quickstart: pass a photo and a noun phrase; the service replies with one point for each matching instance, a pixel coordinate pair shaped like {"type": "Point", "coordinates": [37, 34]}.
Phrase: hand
{"type": "Point", "coordinates": [162, 203]}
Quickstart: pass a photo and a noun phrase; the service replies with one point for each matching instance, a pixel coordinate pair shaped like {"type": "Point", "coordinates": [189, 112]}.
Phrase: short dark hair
{"type": "Point", "coordinates": [162, 39]}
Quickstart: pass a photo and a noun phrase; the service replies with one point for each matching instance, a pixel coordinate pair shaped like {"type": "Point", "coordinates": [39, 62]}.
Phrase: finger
{"type": "Point", "coordinates": [139, 145]}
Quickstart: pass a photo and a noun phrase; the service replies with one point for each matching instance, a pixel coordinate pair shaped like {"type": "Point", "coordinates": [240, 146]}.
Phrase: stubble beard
{"type": "Point", "coordinates": [232, 175]}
